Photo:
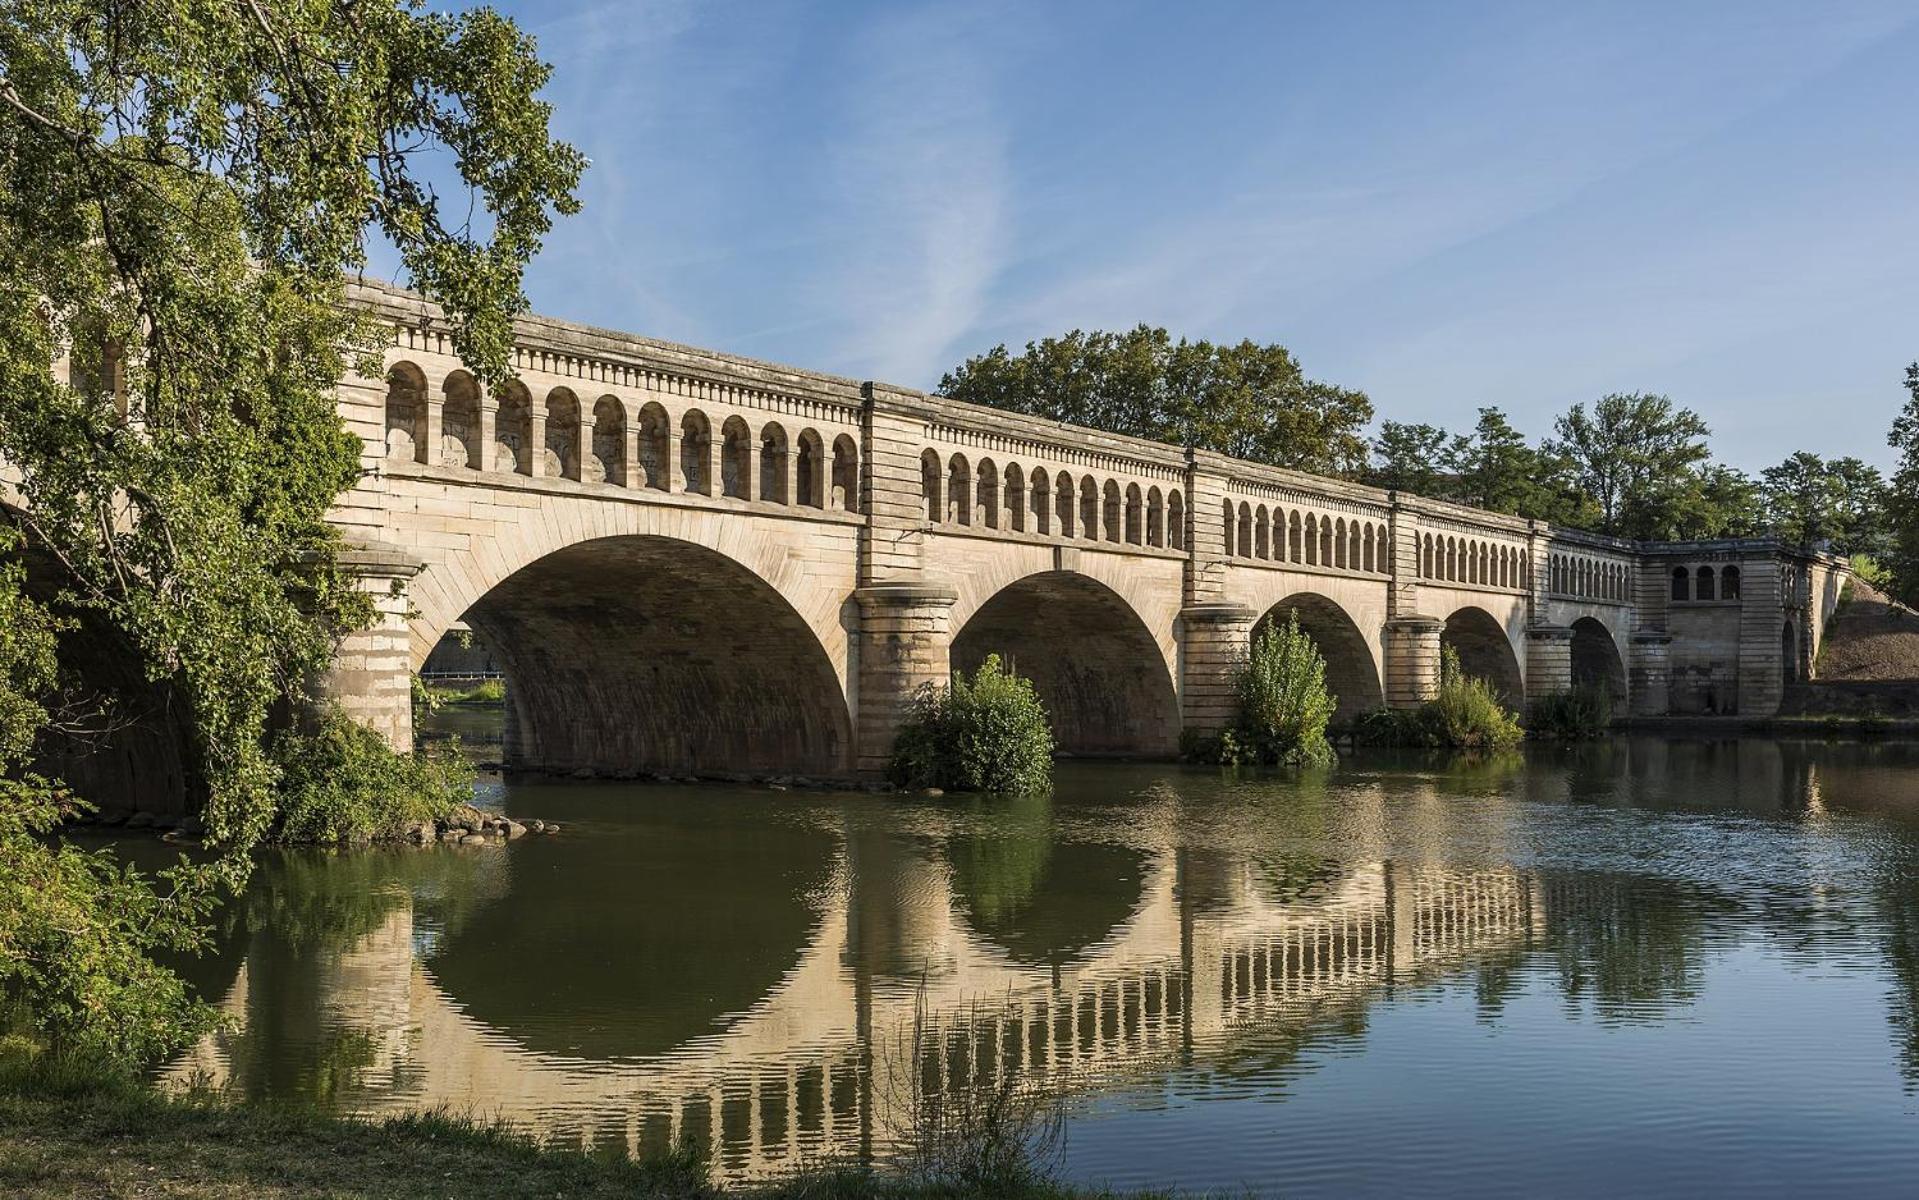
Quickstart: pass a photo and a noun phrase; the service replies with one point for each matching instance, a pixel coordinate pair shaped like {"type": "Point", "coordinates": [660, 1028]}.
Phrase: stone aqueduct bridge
{"type": "Point", "coordinates": [688, 561]}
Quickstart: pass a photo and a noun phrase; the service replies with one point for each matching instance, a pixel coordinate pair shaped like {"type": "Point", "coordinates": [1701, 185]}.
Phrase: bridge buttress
{"type": "Point", "coordinates": [1549, 661]}
{"type": "Point", "coordinates": [1212, 641]}
{"type": "Point", "coordinates": [371, 677]}
{"type": "Point", "coordinates": [1650, 672]}
{"type": "Point", "coordinates": [1412, 659]}
{"type": "Point", "coordinates": [906, 636]}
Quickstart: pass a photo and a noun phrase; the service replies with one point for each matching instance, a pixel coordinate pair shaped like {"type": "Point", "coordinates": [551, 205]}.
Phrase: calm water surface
{"type": "Point", "coordinates": [1649, 965]}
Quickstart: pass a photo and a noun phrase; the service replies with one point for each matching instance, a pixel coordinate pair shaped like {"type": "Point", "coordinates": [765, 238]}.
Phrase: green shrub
{"type": "Point", "coordinates": [342, 782]}
{"type": "Point", "coordinates": [1283, 705]}
{"type": "Point", "coordinates": [1465, 715]}
{"type": "Point", "coordinates": [984, 734]}
{"type": "Point", "coordinates": [1583, 712]}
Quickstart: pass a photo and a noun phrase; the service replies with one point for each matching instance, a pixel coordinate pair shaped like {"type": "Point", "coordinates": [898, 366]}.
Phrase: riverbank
{"type": "Point", "coordinates": [82, 1136]}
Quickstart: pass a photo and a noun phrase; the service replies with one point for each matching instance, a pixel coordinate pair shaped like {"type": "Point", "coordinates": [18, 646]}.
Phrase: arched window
{"type": "Point", "coordinates": [1703, 584]}
{"type": "Point", "coordinates": [1294, 553]}
{"type": "Point", "coordinates": [1063, 503]}
{"type": "Point", "coordinates": [696, 454]}
{"type": "Point", "coordinates": [607, 463]}
{"type": "Point", "coordinates": [1015, 498]}
{"type": "Point", "coordinates": [1452, 560]}
{"type": "Point", "coordinates": [1729, 583]}
{"type": "Point", "coordinates": [986, 495]}
{"type": "Point", "coordinates": [776, 469]}
{"type": "Point", "coordinates": [1352, 546]}
{"type": "Point", "coordinates": [1245, 538]}
{"type": "Point", "coordinates": [930, 485]}
{"type": "Point", "coordinates": [1262, 533]}
{"type": "Point", "coordinates": [562, 434]}
{"type": "Point", "coordinates": [736, 459]}
{"type": "Point", "coordinates": [406, 413]}
{"type": "Point", "coordinates": [1369, 550]}
{"type": "Point", "coordinates": [655, 431]}
{"type": "Point", "coordinates": [846, 474]}
{"type": "Point", "coordinates": [1135, 516]}
{"type": "Point", "coordinates": [1042, 502]}
{"type": "Point", "coordinates": [513, 429]}
{"type": "Point", "coordinates": [460, 422]}
{"type": "Point", "coordinates": [1339, 544]}
{"type": "Point", "coordinates": [1680, 583]}
{"type": "Point", "coordinates": [809, 470]}
{"type": "Point", "coordinates": [959, 490]}
{"type": "Point", "coordinates": [1155, 518]}
{"type": "Point", "coordinates": [1088, 508]}
{"type": "Point", "coordinates": [1113, 514]}
{"type": "Point", "coordinates": [1426, 558]}
{"type": "Point", "coordinates": [1175, 520]}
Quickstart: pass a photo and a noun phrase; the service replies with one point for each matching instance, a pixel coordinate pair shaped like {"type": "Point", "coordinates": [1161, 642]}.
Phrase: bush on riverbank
{"type": "Point", "coordinates": [1465, 715]}
{"type": "Point", "coordinates": [1575, 715]}
{"type": "Point", "coordinates": [988, 733]}
{"type": "Point", "coordinates": [342, 783]}
{"type": "Point", "coordinates": [1283, 706]}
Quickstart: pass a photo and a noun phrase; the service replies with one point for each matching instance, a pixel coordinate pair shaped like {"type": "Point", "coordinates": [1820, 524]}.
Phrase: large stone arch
{"type": "Point", "coordinates": [1096, 665]}
{"type": "Point", "coordinates": [1596, 661]}
{"type": "Point", "coordinates": [1485, 652]}
{"type": "Point", "coordinates": [1351, 673]}
{"type": "Point", "coordinates": [642, 652]}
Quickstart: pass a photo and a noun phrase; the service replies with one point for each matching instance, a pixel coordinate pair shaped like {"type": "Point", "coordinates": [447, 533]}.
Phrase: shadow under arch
{"type": "Point", "coordinates": [642, 652]}
{"type": "Point", "coordinates": [1485, 652]}
{"type": "Point", "coordinates": [1091, 659]}
{"type": "Point", "coordinates": [1351, 674]}
{"type": "Point", "coordinates": [1596, 661]}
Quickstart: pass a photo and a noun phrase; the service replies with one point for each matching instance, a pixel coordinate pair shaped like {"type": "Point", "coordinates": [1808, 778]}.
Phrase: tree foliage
{"type": "Point", "coordinates": [986, 733]}
{"type": "Point", "coordinates": [1639, 457]}
{"type": "Point", "coordinates": [182, 189]}
{"type": "Point", "coordinates": [1902, 497]}
{"type": "Point", "coordinates": [1246, 399]}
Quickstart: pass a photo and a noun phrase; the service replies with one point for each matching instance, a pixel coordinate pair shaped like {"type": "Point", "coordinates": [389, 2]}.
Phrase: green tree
{"type": "Point", "coordinates": [1638, 457]}
{"type": "Point", "coordinates": [1802, 498]}
{"type": "Point", "coordinates": [182, 190]}
{"type": "Point", "coordinates": [1248, 400]}
{"type": "Point", "coordinates": [1902, 497]}
{"type": "Point", "coordinates": [1413, 458]}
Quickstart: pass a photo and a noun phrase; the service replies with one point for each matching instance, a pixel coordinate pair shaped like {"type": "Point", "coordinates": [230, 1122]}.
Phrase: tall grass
{"type": "Point", "coordinates": [1283, 706]}
{"type": "Point", "coordinates": [1464, 715]}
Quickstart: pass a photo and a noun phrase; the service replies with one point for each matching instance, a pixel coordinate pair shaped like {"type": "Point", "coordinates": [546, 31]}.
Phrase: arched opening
{"type": "Point", "coordinates": [1596, 662]}
{"type": "Point", "coordinates": [1244, 542]}
{"type": "Point", "coordinates": [608, 461]}
{"type": "Point", "coordinates": [959, 491]}
{"type": "Point", "coordinates": [1485, 653]}
{"type": "Point", "coordinates": [809, 470]}
{"type": "Point", "coordinates": [1015, 498]}
{"type": "Point", "coordinates": [1703, 589]}
{"type": "Point", "coordinates": [776, 469]}
{"type": "Point", "coordinates": [655, 439]}
{"type": "Point", "coordinates": [1042, 489]}
{"type": "Point", "coordinates": [930, 485]}
{"type": "Point", "coordinates": [646, 653]}
{"type": "Point", "coordinates": [1088, 508]}
{"type": "Point", "coordinates": [1351, 674]}
{"type": "Point", "coordinates": [1791, 667]}
{"type": "Point", "coordinates": [1227, 525]}
{"type": "Point", "coordinates": [1135, 516]}
{"type": "Point", "coordinates": [513, 430]}
{"type": "Point", "coordinates": [986, 502]}
{"type": "Point", "coordinates": [1063, 495]}
{"type": "Point", "coordinates": [562, 434]}
{"type": "Point", "coordinates": [1262, 533]}
{"type": "Point", "coordinates": [1175, 521]}
{"type": "Point", "coordinates": [736, 459]}
{"type": "Point", "coordinates": [460, 422]}
{"type": "Point", "coordinates": [1155, 518]}
{"type": "Point", "coordinates": [405, 413]}
{"type": "Point", "coordinates": [1729, 583]}
{"type": "Point", "coordinates": [1094, 664]}
{"type": "Point", "coordinates": [696, 454]}
{"type": "Point", "coordinates": [1681, 584]}
{"type": "Point", "coordinates": [846, 474]}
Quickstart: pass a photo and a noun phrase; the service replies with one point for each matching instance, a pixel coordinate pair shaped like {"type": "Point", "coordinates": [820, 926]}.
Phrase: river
{"type": "Point", "coordinates": [1645, 964]}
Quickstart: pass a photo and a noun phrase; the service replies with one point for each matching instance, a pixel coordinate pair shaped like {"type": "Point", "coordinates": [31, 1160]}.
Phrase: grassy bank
{"type": "Point", "coordinates": [68, 1134]}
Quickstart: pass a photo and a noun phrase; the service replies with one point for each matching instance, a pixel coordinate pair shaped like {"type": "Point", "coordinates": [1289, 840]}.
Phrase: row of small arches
{"type": "Point", "coordinates": [988, 496]}
{"type": "Point", "coordinates": [1469, 560]}
{"type": "Point", "coordinates": [593, 446]}
{"type": "Point", "coordinates": [1590, 579]}
{"type": "Point", "coordinates": [1705, 583]}
{"type": "Point", "coordinates": [1279, 535]}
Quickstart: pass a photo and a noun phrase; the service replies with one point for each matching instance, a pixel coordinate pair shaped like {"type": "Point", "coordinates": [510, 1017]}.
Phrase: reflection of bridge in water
{"type": "Point", "coordinates": [823, 1066]}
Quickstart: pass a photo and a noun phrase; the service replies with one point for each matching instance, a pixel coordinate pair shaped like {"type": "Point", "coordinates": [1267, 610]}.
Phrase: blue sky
{"type": "Point", "coordinates": [1447, 205]}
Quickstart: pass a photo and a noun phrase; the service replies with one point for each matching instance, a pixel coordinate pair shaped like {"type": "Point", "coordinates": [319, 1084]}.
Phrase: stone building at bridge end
{"type": "Point", "coordinates": [691, 562]}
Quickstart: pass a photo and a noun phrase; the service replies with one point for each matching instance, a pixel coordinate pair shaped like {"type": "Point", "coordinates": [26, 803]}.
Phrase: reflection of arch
{"type": "Point", "coordinates": [647, 651]}
{"type": "Point", "coordinates": [1092, 660]}
{"type": "Point", "coordinates": [1042, 898]}
{"type": "Point", "coordinates": [1595, 660]}
{"type": "Point", "coordinates": [1351, 674]}
{"type": "Point", "coordinates": [1485, 653]}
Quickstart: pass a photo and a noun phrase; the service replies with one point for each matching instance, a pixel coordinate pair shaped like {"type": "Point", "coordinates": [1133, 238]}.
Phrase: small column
{"type": "Point", "coordinates": [630, 473]}
{"type": "Point", "coordinates": [1412, 659]}
{"type": "Point", "coordinates": [488, 433]}
{"type": "Point", "coordinates": [1549, 661]}
{"type": "Point", "coordinates": [905, 639]}
{"type": "Point", "coordinates": [536, 440]}
{"type": "Point", "coordinates": [1651, 675]}
{"type": "Point", "coordinates": [1213, 638]}
{"type": "Point", "coordinates": [371, 677]}
{"type": "Point", "coordinates": [431, 453]}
